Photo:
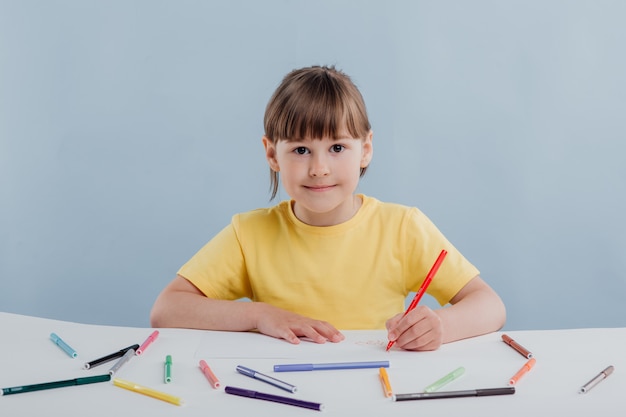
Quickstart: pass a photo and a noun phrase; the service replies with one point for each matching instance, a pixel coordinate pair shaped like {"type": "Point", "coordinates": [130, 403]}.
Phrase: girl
{"type": "Point", "coordinates": [329, 258]}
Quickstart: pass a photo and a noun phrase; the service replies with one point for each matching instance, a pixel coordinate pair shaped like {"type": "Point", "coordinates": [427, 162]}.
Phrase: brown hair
{"type": "Point", "coordinates": [314, 102]}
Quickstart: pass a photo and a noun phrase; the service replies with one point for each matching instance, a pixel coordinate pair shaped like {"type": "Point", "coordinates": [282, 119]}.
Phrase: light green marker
{"type": "Point", "coordinates": [168, 369]}
{"type": "Point", "coordinates": [446, 379]}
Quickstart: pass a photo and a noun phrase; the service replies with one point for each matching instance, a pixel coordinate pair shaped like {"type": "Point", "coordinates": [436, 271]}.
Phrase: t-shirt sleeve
{"type": "Point", "coordinates": [218, 269]}
{"type": "Point", "coordinates": [425, 242]}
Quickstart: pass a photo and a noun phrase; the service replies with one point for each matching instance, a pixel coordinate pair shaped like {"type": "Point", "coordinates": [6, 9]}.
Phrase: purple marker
{"type": "Point", "coordinates": [274, 398]}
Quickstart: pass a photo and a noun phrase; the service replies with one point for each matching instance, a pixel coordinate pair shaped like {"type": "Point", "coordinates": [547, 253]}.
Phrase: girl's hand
{"type": "Point", "coordinates": [420, 329]}
{"type": "Point", "coordinates": [282, 324]}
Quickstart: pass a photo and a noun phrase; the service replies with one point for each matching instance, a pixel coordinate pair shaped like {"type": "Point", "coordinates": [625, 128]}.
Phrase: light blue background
{"type": "Point", "coordinates": [130, 132]}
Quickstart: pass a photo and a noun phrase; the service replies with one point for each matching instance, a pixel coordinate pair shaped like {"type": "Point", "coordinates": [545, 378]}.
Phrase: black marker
{"type": "Point", "coordinates": [110, 357]}
{"type": "Point", "coordinates": [454, 394]}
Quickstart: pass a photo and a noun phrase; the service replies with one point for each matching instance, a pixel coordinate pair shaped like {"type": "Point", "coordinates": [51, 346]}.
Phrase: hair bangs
{"type": "Point", "coordinates": [315, 106]}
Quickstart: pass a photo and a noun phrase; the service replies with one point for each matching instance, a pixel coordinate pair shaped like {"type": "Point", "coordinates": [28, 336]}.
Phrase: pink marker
{"type": "Point", "coordinates": [209, 374]}
{"type": "Point", "coordinates": [148, 341]}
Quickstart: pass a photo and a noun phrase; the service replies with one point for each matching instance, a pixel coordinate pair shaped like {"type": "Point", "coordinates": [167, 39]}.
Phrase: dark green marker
{"type": "Point", "coordinates": [56, 384]}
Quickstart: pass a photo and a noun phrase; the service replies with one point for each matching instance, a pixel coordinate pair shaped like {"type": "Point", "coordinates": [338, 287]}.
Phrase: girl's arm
{"type": "Point", "coordinates": [476, 309]}
{"type": "Point", "coordinates": [182, 304]}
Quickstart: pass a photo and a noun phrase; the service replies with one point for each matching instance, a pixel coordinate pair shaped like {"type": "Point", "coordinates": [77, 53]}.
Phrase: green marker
{"type": "Point", "coordinates": [168, 369]}
{"type": "Point", "coordinates": [446, 379]}
{"type": "Point", "coordinates": [56, 384]}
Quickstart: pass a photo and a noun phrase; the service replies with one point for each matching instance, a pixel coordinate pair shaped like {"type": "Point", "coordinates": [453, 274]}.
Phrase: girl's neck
{"type": "Point", "coordinates": [340, 215]}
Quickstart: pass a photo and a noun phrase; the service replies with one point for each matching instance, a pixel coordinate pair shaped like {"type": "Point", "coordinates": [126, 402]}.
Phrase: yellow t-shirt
{"type": "Point", "coordinates": [354, 275]}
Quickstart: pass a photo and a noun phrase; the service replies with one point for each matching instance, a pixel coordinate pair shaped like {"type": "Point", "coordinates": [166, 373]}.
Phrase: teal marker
{"type": "Point", "coordinates": [445, 380]}
{"type": "Point", "coordinates": [168, 369]}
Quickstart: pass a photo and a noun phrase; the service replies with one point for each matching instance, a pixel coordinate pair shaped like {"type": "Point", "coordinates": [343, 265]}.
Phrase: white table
{"type": "Point", "coordinates": [566, 359]}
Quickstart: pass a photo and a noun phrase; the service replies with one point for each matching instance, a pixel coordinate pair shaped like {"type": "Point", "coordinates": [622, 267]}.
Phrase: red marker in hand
{"type": "Point", "coordinates": [423, 288]}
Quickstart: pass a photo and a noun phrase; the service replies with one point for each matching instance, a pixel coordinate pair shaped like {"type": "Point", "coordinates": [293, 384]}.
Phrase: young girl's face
{"type": "Point", "coordinates": [321, 175]}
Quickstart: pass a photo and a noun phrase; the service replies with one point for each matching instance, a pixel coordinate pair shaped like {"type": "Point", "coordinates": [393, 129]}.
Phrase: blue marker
{"type": "Point", "coordinates": [60, 343]}
{"type": "Point", "coordinates": [294, 367]}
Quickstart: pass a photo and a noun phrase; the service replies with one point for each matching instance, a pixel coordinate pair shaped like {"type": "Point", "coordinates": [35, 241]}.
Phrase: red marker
{"type": "Point", "coordinates": [423, 288]}
{"type": "Point", "coordinates": [148, 341]}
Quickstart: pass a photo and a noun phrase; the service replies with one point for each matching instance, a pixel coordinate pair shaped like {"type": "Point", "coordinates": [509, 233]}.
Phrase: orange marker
{"type": "Point", "coordinates": [384, 380]}
{"type": "Point", "coordinates": [423, 288]}
{"type": "Point", "coordinates": [527, 367]}
{"type": "Point", "coordinates": [215, 383]}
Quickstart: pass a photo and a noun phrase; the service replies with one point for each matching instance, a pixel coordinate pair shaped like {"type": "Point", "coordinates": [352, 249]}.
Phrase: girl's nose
{"type": "Point", "coordinates": [319, 166]}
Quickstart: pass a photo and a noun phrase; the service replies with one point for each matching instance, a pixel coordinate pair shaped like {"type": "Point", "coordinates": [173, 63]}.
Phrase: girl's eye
{"type": "Point", "coordinates": [301, 150]}
{"type": "Point", "coordinates": [337, 148]}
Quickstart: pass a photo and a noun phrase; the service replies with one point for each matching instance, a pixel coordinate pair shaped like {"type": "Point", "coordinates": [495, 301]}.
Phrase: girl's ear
{"type": "Point", "coordinates": [270, 154]}
{"type": "Point", "coordinates": [367, 150]}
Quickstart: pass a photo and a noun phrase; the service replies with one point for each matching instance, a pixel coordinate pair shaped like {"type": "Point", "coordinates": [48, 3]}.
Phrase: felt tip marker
{"type": "Point", "coordinates": [274, 398]}
{"type": "Point", "coordinates": [445, 380]}
{"type": "Point", "coordinates": [131, 386]}
{"type": "Point", "coordinates": [129, 354]}
{"type": "Point", "coordinates": [60, 343]}
{"type": "Point", "coordinates": [167, 377]}
{"type": "Point", "coordinates": [519, 348]}
{"type": "Point", "coordinates": [147, 342]}
{"type": "Point", "coordinates": [454, 394]}
{"type": "Point", "coordinates": [384, 380]}
{"type": "Point", "coordinates": [423, 288]}
{"type": "Point", "coordinates": [266, 378]}
{"type": "Point", "coordinates": [56, 384]}
{"type": "Point", "coordinates": [208, 373]}
{"type": "Point", "coordinates": [527, 367]}
{"type": "Point", "coordinates": [296, 367]}
{"type": "Point", "coordinates": [597, 379]}
{"type": "Point", "coordinates": [110, 357]}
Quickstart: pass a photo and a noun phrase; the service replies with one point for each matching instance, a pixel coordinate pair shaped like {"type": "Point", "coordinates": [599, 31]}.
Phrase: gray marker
{"type": "Point", "coordinates": [266, 378]}
{"type": "Point", "coordinates": [597, 379]}
{"type": "Point", "coordinates": [129, 354]}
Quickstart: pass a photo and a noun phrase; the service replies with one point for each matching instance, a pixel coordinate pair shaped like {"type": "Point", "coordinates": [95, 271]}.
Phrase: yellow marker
{"type": "Point", "coordinates": [384, 380]}
{"type": "Point", "coordinates": [131, 386]}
